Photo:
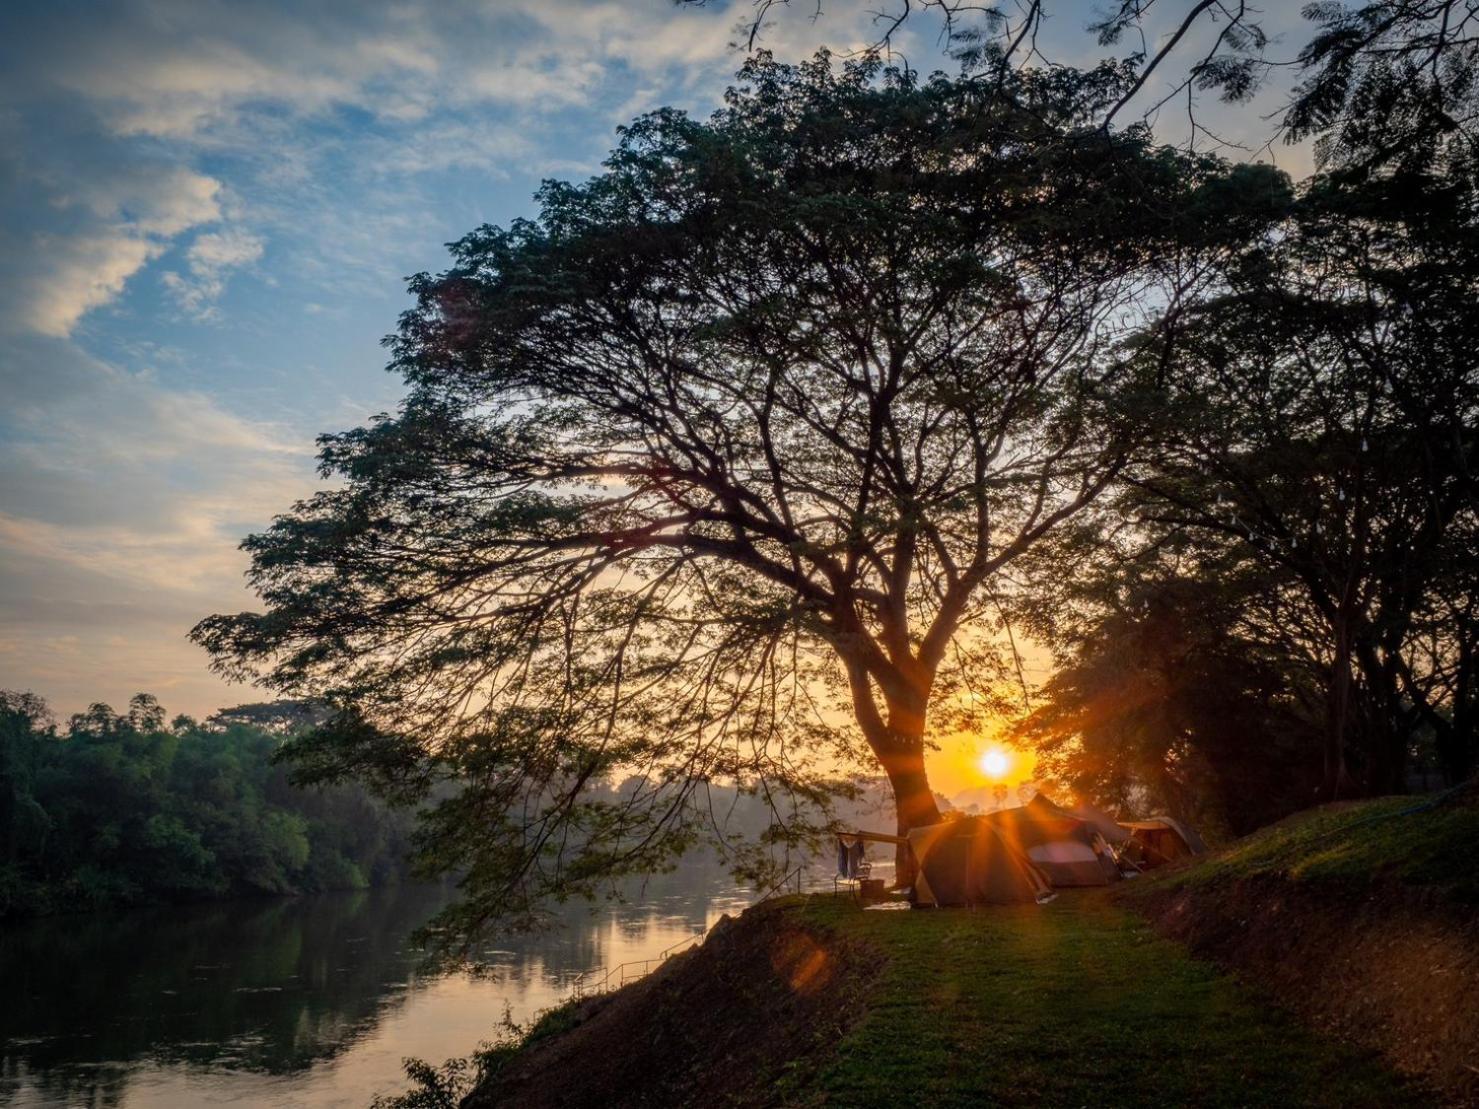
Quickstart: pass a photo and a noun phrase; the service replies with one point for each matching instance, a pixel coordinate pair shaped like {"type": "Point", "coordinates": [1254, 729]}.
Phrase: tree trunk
{"type": "Point", "coordinates": [914, 801]}
{"type": "Point", "coordinates": [914, 805]}
{"type": "Point", "coordinates": [897, 741]}
{"type": "Point", "coordinates": [1457, 741]}
{"type": "Point", "coordinates": [1458, 744]}
{"type": "Point", "coordinates": [1335, 781]}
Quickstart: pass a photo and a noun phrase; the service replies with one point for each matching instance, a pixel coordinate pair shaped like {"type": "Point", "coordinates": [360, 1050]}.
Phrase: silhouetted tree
{"type": "Point", "coordinates": [757, 414]}
{"type": "Point", "coordinates": [1315, 435]}
{"type": "Point", "coordinates": [1325, 415]}
{"type": "Point", "coordinates": [1381, 82]}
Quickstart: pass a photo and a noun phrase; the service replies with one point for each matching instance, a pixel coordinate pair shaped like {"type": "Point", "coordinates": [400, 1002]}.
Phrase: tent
{"type": "Point", "coordinates": [1024, 853]}
{"type": "Point", "coordinates": [1067, 849]}
{"type": "Point", "coordinates": [1160, 840]}
{"type": "Point", "coordinates": [969, 862]}
{"type": "Point", "coordinates": [1112, 831]}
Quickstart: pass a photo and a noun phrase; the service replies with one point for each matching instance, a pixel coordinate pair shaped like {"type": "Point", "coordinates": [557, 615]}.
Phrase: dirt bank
{"type": "Point", "coordinates": [733, 1022]}
{"type": "Point", "coordinates": [1366, 928]}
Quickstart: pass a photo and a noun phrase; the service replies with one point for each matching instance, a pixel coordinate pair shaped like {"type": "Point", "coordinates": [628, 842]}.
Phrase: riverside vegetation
{"type": "Point", "coordinates": [128, 808]}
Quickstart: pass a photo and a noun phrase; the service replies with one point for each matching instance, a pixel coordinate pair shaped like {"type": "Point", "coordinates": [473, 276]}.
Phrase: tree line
{"type": "Point", "coordinates": [754, 455]}
{"type": "Point", "coordinates": [1276, 603]}
{"type": "Point", "coordinates": [116, 809]}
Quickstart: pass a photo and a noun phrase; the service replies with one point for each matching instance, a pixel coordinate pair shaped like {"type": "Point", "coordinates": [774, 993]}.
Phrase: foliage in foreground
{"type": "Point", "coordinates": [126, 809]}
{"type": "Point", "coordinates": [445, 1086]}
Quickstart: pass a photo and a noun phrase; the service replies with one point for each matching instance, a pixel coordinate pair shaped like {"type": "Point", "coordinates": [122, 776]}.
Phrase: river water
{"type": "Point", "coordinates": [310, 1002]}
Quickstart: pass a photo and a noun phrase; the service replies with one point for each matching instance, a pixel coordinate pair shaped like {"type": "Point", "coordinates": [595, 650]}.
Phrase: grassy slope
{"type": "Point", "coordinates": [1078, 1003]}
{"type": "Point", "coordinates": [1361, 915]}
{"type": "Point", "coordinates": [1351, 848]}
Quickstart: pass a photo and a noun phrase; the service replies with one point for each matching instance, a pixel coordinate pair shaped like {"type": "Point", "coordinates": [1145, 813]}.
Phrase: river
{"type": "Point", "coordinates": [309, 1002]}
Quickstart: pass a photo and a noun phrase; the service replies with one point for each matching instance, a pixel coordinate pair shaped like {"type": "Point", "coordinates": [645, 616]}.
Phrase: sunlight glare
{"type": "Point", "coordinates": [994, 763]}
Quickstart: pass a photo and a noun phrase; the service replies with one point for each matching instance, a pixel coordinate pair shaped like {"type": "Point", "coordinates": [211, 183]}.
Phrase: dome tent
{"type": "Point", "coordinates": [1016, 854]}
{"type": "Point", "coordinates": [1066, 848]}
{"type": "Point", "coordinates": [968, 862]}
{"type": "Point", "coordinates": [1158, 840]}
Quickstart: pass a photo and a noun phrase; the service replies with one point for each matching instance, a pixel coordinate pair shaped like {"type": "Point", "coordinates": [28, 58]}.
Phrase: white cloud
{"type": "Point", "coordinates": [148, 197]}
{"type": "Point", "coordinates": [450, 84]}
{"type": "Point", "coordinates": [115, 224]}
{"type": "Point", "coordinates": [70, 275]}
{"type": "Point", "coordinates": [210, 258]}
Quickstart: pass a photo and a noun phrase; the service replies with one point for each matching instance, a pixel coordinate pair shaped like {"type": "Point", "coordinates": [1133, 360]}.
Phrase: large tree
{"type": "Point", "coordinates": [1328, 420]}
{"type": "Point", "coordinates": [754, 417]}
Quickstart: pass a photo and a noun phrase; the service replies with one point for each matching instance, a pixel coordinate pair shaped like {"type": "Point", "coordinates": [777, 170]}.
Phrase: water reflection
{"type": "Point", "coordinates": [309, 1002]}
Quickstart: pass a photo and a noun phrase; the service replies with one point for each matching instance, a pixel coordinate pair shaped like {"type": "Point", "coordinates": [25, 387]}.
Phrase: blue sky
{"type": "Point", "coordinates": [207, 212]}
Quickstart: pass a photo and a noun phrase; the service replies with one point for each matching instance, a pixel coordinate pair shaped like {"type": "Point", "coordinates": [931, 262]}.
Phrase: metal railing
{"type": "Point", "coordinates": [784, 885]}
{"type": "Point", "coordinates": [589, 984]}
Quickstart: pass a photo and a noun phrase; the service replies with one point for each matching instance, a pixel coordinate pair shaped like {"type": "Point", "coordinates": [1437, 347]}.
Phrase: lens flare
{"type": "Point", "coordinates": [995, 763]}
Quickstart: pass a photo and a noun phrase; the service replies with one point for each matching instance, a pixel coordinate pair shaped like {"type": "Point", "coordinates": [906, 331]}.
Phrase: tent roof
{"type": "Point", "coordinates": [970, 862]}
{"type": "Point", "coordinates": [1193, 841]}
{"type": "Point", "coordinates": [1102, 822]}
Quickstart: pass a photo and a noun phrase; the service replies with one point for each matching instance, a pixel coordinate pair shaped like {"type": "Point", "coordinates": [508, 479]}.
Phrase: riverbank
{"type": "Point", "coordinates": [296, 1003]}
{"type": "Point", "coordinates": [1347, 931]}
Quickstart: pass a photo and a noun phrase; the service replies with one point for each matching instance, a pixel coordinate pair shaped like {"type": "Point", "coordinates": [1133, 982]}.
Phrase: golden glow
{"type": "Point", "coordinates": [995, 762]}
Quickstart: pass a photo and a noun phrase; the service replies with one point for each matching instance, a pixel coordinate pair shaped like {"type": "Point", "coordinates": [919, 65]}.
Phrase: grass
{"type": "Point", "coordinates": [1355, 846]}
{"type": "Point", "coordinates": [1074, 1004]}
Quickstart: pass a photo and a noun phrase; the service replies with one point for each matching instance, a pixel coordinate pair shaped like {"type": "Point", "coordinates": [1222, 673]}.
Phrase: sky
{"type": "Point", "coordinates": [208, 210]}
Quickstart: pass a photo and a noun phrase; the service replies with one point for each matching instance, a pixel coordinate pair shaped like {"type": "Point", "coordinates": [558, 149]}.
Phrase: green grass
{"type": "Point", "coordinates": [1357, 846]}
{"type": "Point", "coordinates": [1074, 1004]}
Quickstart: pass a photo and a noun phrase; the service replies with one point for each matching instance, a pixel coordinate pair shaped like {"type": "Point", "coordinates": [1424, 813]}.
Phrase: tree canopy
{"type": "Point", "coordinates": [1377, 83]}
{"type": "Point", "coordinates": [710, 469]}
{"type": "Point", "coordinates": [122, 808]}
{"type": "Point", "coordinates": [1307, 486]}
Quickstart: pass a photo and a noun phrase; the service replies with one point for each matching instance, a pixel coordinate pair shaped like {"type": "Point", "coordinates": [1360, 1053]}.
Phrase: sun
{"type": "Point", "coordinates": [995, 763]}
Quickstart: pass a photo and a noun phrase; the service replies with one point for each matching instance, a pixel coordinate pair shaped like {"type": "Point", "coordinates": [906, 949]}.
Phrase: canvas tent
{"type": "Point", "coordinates": [1023, 853]}
{"type": "Point", "coordinates": [968, 862]}
{"type": "Point", "coordinates": [1068, 850]}
{"type": "Point", "coordinates": [1113, 832]}
{"type": "Point", "coordinates": [1161, 840]}
{"type": "Point", "coordinates": [1016, 854]}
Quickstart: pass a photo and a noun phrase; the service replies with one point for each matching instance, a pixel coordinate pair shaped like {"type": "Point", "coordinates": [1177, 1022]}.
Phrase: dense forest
{"type": "Point", "coordinates": [129, 808]}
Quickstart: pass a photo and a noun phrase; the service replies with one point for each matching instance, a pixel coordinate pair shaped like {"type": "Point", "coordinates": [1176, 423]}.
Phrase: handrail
{"type": "Point", "coordinates": [620, 971]}
{"type": "Point", "coordinates": [786, 881]}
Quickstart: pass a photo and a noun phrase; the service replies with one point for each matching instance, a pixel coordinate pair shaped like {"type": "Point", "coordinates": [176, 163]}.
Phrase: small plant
{"type": "Point", "coordinates": [433, 1087]}
{"type": "Point", "coordinates": [444, 1087]}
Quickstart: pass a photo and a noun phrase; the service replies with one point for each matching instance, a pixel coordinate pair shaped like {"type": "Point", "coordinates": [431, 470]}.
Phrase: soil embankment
{"type": "Point", "coordinates": [1362, 919]}
{"type": "Point", "coordinates": [722, 1024]}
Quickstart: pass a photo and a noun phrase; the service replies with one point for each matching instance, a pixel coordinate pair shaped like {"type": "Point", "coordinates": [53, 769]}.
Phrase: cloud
{"type": "Point", "coordinates": [118, 113]}
{"type": "Point", "coordinates": [71, 274]}
{"type": "Point", "coordinates": [122, 504]}
{"type": "Point", "coordinates": [210, 258]}
{"type": "Point", "coordinates": [152, 151]}
{"type": "Point", "coordinates": [106, 226]}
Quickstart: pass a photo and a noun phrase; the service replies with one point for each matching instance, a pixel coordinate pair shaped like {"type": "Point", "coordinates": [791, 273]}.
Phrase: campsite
{"type": "Point", "coordinates": [1356, 990]}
